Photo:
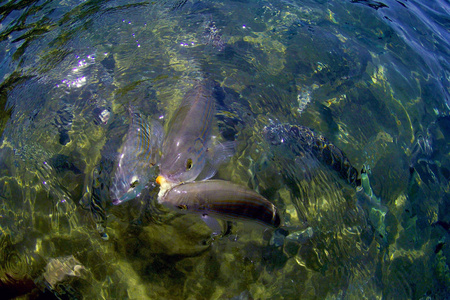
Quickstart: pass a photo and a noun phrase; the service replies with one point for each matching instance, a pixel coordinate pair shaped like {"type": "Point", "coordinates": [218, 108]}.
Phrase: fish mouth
{"type": "Point", "coordinates": [165, 186]}
{"type": "Point", "coordinates": [161, 180]}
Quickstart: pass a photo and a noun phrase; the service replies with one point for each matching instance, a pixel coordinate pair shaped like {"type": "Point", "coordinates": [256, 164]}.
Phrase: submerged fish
{"type": "Point", "coordinates": [301, 139]}
{"type": "Point", "coordinates": [221, 199]}
{"type": "Point", "coordinates": [125, 167]}
{"type": "Point", "coordinates": [185, 148]}
{"type": "Point", "coordinates": [137, 157]}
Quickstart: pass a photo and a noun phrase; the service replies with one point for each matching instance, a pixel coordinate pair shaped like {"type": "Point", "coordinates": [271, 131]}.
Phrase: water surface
{"type": "Point", "coordinates": [371, 76]}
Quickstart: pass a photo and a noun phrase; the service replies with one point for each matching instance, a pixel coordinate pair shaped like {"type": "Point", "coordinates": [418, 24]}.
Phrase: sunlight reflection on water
{"type": "Point", "coordinates": [370, 78]}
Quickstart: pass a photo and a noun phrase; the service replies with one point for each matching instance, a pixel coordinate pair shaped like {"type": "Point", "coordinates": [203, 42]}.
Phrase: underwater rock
{"type": "Point", "coordinates": [59, 269]}
{"type": "Point", "coordinates": [62, 163]}
{"type": "Point", "coordinates": [63, 121]}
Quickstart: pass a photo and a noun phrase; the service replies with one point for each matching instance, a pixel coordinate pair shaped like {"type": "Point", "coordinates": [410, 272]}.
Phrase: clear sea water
{"type": "Point", "coordinates": [370, 76]}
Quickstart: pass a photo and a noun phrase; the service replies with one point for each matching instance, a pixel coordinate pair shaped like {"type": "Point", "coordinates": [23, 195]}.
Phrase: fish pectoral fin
{"type": "Point", "coordinates": [213, 224]}
{"type": "Point", "coordinates": [222, 152]}
{"type": "Point", "coordinates": [208, 171]}
{"type": "Point", "coordinates": [216, 156]}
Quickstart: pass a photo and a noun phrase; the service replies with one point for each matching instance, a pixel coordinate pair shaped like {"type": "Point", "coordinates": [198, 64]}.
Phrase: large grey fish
{"type": "Point", "coordinates": [221, 199]}
{"type": "Point", "coordinates": [134, 165]}
{"type": "Point", "coordinates": [187, 146]}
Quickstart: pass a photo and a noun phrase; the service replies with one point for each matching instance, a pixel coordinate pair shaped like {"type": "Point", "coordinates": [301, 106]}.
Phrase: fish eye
{"type": "Point", "coordinates": [188, 164]}
{"type": "Point", "coordinates": [182, 207]}
{"type": "Point", "coordinates": [134, 183]}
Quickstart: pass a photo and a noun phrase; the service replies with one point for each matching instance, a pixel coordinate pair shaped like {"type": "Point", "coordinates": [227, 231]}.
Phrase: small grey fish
{"type": "Point", "coordinates": [223, 200]}
{"type": "Point", "coordinates": [125, 168]}
{"type": "Point", "coordinates": [137, 157]}
{"type": "Point", "coordinates": [187, 146]}
{"type": "Point", "coordinates": [300, 139]}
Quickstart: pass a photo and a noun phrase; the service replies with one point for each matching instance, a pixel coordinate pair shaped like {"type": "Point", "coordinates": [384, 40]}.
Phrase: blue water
{"type": "Point", "coordinates": [370, 76]}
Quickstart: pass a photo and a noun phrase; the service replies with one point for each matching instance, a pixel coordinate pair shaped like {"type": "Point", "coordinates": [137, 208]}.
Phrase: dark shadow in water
{"type": "Point", "coordinates": [6, 86]}
{"type": "Point", "coordinates": [370, 3]}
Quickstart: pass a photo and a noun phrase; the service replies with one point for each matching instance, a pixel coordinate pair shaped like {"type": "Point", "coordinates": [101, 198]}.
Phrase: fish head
{"type": "Point", "coordinates": [124, 190]}
{"type": "Point", "coordinates": [180, 205]}
{"type": "Point", "coordinates": [184, 166]}
{"type": "Point", "coordinates": [176, 198]}
{"type": "Point", "coordinates": [127, 184]}
{"type": "Point", "coordinates": [131, 175]}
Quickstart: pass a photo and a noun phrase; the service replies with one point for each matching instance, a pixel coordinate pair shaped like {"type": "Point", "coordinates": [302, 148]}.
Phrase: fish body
{"type": "Point", "coordinates": [125, 167]}
{"type": "Point", "coordinates": [221, 199]}
{"type": "Point", "coordinates": [185, 147]}
{"type": "Point", "coordinates": [301, 139]}
{"type": "Point", "coordinates": [134, 165]}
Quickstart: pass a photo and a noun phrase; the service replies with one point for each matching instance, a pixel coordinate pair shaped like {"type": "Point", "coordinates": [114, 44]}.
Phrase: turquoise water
{"type": "Point", "coordinates": [370, 76]}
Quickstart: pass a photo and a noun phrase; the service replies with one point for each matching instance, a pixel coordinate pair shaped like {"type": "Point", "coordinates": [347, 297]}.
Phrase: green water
{"type": "Point", "coordinates": [344, 69]}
